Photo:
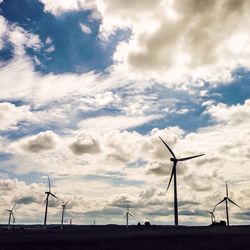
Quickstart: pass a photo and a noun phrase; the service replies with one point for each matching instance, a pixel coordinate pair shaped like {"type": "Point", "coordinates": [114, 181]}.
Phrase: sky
{"type": "Point", "coordinates": [87, 88]}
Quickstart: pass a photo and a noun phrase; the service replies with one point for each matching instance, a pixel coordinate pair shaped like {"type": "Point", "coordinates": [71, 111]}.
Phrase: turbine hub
{"type": "Point", "coordinates": [173, 159]}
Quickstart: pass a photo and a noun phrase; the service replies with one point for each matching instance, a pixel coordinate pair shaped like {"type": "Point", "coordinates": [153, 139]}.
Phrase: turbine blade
{"type": "Point", "coordinates": [49, 183]}
{"type": "Point", "coordinates": [14, 206]}
{"type": "Point", "coordinates": [191, 157]}
{"type": "Point", "coordinates": [45, 200]}
{"type": "Point", "coordinates": [233, 203]}
{"type": "Point", "coordinates": [219, 202]}
{"type": "Point", "coordinates": [226, 190]}
{"type": "Point", "coordinates": [53, 195]}
{"type": "Point", "coordinates": [125, 216]}
{"type": "Point", "coordinates": [131, 214]}
{"type": "Point", "coordinates": [172, 153]}
{"type": "Point", "coordinates": [67, 203]}
{"type": "Point", "coordinates": [13, 218]}
{"type": "Point", "coordinates": [171, 177]}
{"type": "Point", "coordinates": [213, 216]}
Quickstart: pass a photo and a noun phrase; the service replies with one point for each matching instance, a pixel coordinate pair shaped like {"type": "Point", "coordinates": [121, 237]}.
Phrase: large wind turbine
{"type": "Point", "coordinates": [48, 193]}
{"type": "Point", "coordinates": [212, 215]}
{"type": "Point", "coordinates": [11, 214]}
{"type": "Point", "coordinates": [226, 199]}
{"type": "Point", "coordinates": [63, 210]}
{"type": "Point", "coordinates": [127, 216]}
{"type": "Point", "coordinates": [173, 174]}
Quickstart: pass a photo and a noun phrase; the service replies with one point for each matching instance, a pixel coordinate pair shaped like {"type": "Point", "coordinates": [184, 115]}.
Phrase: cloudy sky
{"type": "Point", "coordinates": [88, 86]}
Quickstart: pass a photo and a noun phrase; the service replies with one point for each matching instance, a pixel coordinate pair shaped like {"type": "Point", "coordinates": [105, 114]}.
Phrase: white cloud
{"type": "Point", "coordinates": [108, 123]}
{"type": "Point", "coordinates": [235, 114]}
{"type": "Point", "coordinates": [3, 28]}
{"type": "Point", "coordinates": [11, 115]}
{"type": "Point", "coordinates": [41, 142]}
{"type": "Point", "coordinates": [60, 6]}
{"type": "Point", "coordinates": [180, 41]}
{"type": "Point", "coordinates": [85, 29]}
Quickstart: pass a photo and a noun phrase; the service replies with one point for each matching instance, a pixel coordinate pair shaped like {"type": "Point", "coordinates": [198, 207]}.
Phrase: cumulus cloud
{"type": "Point", "coordinates": [181, 38]}
{"type": "Point", "coordinates": [41, 142]}
{"type": "Point", "coordinates": [11, 115]}
{"type": "Point", "coordinates": [235, 114]}
{"type": "Point", "coordinates": [85, 144]}
{"type": "Point", "coordinates": [62, 6]}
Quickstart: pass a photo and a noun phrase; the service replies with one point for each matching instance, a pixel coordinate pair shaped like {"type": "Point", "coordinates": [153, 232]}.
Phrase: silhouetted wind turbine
{"type": "Point", "coordinates": [226, 199]}
{"type": "Point", "coordinates": [63, 210]}
{"type": "Point", "coordinates": [11, 214]}
{"type": "Point", "coordinates": [173, 174]}
{"type": "Point", "coordinates": [212, 215]}
{"type": "Point", "coordinates": [48, 193]}
{"type": "Point", "coordinates": [127, 216]}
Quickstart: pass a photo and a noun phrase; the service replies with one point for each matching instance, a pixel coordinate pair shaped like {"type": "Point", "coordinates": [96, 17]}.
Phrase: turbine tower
{"type": "Point", "coordinates": [212, 215]}
{"type": "Point", "coordinates": [127, 216]}
{"type": "Point", "coordinates": [226, 199]}
{"type": "Point", "coordinates": [173, 174]}
{"type": "Point", "coordinates": [46, 201]}
{"type": "Point", "coordinates": [63, 210]}
{"type": "Point", "coordinates": [11, 214]}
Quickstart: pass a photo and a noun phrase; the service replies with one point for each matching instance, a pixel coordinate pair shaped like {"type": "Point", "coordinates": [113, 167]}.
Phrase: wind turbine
{"type": "Point", "coordinates": [63, 210]}
{"type": "Point", "coordinates": [173, 174]}
{"type": "Point", "coordinates": [48, 193]}
{"type": "Point", "coordinates": [226, 199]}
{"type": "Point", "coordinates": [127, 216]}
{"type": "Point", "coordinates": [11, 214]}
{"type": "Point", "coordinates": [212, 215]}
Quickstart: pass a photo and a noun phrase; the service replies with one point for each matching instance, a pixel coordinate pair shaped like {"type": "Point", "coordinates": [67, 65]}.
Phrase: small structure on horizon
{"type": "Point", "coordinates": [221, 223]}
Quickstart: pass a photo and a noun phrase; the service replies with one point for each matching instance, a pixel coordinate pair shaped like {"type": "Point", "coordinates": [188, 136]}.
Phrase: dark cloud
{"type": "Point", "coordinates": [148, 193]}
{"type": "Point", "coordinates": [108, 211]}
{"type": "Point", "coordinates": [85, 145]}
{"type": "Point", "coordinates": [242, 216]}
{"type": "Point", "coordinates": [122, 201]}
{"type": "Point", "coordinates": [202, 183]}
{"type": "Point", "coordinates": [192, 213]}
{"type": "Point", "coordinates": [164, 169]}
{"type": "Point", "coordinates": [42, 142]}
{"type": "Point", "coordinates": [160, 212]}
{"type": "Point", "coordinates": [26, 200]}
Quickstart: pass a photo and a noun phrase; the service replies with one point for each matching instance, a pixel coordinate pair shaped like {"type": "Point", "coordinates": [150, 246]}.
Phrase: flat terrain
{"type": "Point", "coordinates": [120, 237]}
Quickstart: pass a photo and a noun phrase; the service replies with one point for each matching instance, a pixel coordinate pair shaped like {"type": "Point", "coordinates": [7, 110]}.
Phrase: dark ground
{"type": "Point", "coordinates": [119, 237]}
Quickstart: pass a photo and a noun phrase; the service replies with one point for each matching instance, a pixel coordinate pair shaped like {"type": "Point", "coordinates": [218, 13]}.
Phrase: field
{"type": "Point", "coordinates": [120, 237]}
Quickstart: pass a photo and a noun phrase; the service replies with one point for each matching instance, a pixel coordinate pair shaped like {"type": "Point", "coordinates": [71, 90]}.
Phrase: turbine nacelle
{"type": "Point", "coordinates": [173, 159]}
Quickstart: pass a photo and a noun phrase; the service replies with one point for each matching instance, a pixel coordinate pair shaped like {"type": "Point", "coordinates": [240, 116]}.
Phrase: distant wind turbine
{"type": "Point", "coordinates": [127, 216]}
{"type": "Point", "coordinates": [212, 215]}
{"type": "Point", "coordinates": [11, 214]}
{"type": "Point", "coordinates": [63, 210]}
{"type": "Point", "coordinates": [173, 174]}
{"type": "Point", "coordinates": [226, 199]}
{"type": "Point", "coordinates": [48, 193]}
